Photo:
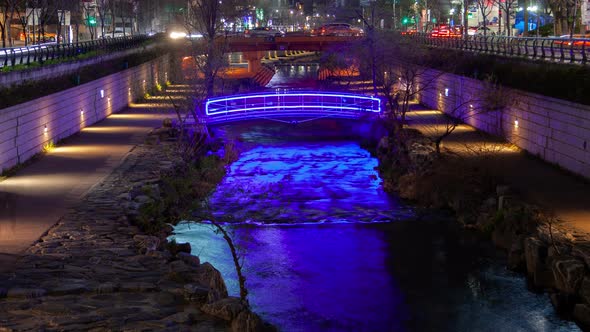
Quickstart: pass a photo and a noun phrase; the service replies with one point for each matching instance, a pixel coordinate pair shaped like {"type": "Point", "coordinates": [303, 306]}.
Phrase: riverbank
{"type": "Point", "coordinates": [554, 256]}
{"type": "Point", "coordinates": [96, 270]}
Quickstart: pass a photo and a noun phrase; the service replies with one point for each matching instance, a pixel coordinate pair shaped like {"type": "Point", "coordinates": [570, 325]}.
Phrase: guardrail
{"type": "Point", "coordinates": [564, 50]}
{"type": "Point", "coordinates": [290, 104]}
{"type": "Point", "coordinates": [40, 53]}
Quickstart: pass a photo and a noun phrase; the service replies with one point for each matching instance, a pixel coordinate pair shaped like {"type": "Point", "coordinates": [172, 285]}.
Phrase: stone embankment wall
{"type": "Point", "coordinates": [95, 270]}
{"type": "Point", "coordinates": [555, 258]}
{"type": "Point", "coordinates": [555, 130]}
{"type": "Point", "coordinates": [26, 128]}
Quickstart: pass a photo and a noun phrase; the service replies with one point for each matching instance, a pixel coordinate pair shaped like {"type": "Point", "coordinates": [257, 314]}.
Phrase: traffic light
{"type": "Point", "coordinates": [91, 20]}
{"type": "Point", "coordinates": [405, 20]}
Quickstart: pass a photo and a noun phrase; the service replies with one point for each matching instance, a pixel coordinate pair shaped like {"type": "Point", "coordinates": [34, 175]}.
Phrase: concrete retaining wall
{"type": "Point", "coordinates": [26, 128]}
{"type": "Point", "coordinates": [555, 130]}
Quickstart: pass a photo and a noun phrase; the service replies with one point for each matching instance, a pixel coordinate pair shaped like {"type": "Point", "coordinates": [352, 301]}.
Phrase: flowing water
{"type": "Point", "coordinates": [326, 249]}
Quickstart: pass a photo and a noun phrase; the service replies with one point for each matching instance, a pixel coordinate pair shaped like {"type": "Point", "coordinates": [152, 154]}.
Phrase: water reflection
{"type": "Point", "coordinates": [298, 76]}
{"type": "Point", "coordinates": [310, 278]}
{"type": "Point", "coordinates": [318, 260]}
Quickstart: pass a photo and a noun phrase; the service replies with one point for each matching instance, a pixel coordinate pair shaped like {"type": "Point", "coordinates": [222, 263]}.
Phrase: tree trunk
{"type": "Point", "coordinates": [3, 28]}
{"type": "Point", "coordinates": [237, 265]}
{"type": "Point", "coordinates": [466, 17]}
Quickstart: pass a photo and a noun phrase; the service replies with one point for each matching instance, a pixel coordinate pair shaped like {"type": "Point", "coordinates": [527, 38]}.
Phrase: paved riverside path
{"type": "Point", "coordinates": [41, 193]}
{"type": "Point", "coordinates": [555, 191]}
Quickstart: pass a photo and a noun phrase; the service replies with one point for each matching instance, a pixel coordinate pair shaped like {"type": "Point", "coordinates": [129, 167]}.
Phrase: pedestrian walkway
{"type": "Point", "coordinates": [554, 190]}
{"type": "Point", "coordinates": [40, 194]}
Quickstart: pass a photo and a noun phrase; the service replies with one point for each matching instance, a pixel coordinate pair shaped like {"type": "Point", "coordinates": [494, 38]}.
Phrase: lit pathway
{"type": "Point", "coordinates": [536, 181]}
{"type": "Point", "coordinates": [40, 194]}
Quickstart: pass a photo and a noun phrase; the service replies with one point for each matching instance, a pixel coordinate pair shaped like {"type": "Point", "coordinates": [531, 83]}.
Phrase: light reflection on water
{"type": "Point", "coordinates": [312, 182]}
{"type": "Point", "coordinates": [400, 274]}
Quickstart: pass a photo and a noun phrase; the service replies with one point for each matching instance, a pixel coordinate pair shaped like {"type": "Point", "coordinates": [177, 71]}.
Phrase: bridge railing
{"type": "Point", "coordinates": [564, 50]}
{"type": "Point", "coordinates": [10, 57]}
{"type": "Point", "coordinates": [290, 104]}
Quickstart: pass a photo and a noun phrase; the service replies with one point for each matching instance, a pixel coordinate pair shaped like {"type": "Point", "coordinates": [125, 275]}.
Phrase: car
{"type": "Point", "coordinates": [445, 31]}
{"type": "Point", "coordinates": [337, 29]}
{"type": "Point", "coordinates": [578, 41]}
{"type": "Point", "coordinates": [263, 32]}
{"type": "Point", "coordinates": [479, 31]}
{"type": "Point", "coordinates": [409, 32]}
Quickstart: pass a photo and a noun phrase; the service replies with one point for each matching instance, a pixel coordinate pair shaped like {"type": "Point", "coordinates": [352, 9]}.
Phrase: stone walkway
{"type": "Point", "coordinates": [93, 271]}
{"type": "Point", "coordinates": [555, 191]}
{"type": "Point", "coordinates": [74, 262]}
{"type": "Point", "coordinates": [41, 193]}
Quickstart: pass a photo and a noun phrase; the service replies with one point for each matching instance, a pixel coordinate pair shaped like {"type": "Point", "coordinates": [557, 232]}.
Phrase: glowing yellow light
{"type": "Point", "coordinates": [515, 123]}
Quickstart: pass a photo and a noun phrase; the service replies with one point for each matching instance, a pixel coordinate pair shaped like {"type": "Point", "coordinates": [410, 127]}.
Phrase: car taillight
{"type": "Point", "coordinates": [247, 31]}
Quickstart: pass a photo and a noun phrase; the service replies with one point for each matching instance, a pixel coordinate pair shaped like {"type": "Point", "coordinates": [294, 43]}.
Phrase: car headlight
{"type": "Point", "coordinates": [177, 35]}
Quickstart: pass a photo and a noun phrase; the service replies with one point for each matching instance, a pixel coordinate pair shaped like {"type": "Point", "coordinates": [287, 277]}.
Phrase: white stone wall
{"type": "Point", "coordinates": [26, 128]}
{"type": "Point", "coordinates": [555, 130]}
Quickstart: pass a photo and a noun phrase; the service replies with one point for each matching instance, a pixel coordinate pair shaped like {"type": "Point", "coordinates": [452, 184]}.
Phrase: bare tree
{"type": "Point", "coordinates": [103, 8]}
{"type": "Point", "coordinates": [403, 74]}
{"type": "Point", "coordinates": [8, 8]}
{"type": "Point", "coordinates": [485, 9]}
{"type": "Point", "coordinates": [205, 17]}
{"type": "Point", "coordinates": [506, 7]}
{"type": "Point", "coordinates": [492, 98]}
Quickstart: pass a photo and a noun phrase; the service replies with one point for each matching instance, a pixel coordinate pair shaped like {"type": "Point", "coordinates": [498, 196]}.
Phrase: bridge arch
{"type": "Point", "coordinates": [290, 106]}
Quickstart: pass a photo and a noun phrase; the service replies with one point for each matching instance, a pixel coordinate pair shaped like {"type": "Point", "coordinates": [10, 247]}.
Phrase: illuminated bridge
{"type": "Point", "coordinates": [292, 107]}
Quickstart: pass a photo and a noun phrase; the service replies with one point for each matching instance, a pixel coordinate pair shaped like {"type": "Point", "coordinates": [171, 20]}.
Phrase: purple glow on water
{"type": "Point", "coordinates": [310, 278]}
{"type": "Point", "coordinates": [327, 250]}
{"type": "Point", "coordinates": [311, 182]}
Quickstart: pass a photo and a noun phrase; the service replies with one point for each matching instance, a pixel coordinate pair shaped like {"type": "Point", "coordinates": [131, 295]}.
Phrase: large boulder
{"type": "Point", "coordinates": [209, 276]}
{"type": "Point", "coordinates": [247, 321]}
{"type": "Point", "coordinates": [582, 251]}
{"type": "Point", "coordinates": [584, 290]}
{"type": "Point", "coordinates": [226, 309]}
{"type": "Point", "coordinates": [582, 316]}
{"type": "Point", "coordinates": [535, 252]}
{"type": "Point", "coordinates": [516, 260]}
{"type": "Point", "coordinates": [568, 273]}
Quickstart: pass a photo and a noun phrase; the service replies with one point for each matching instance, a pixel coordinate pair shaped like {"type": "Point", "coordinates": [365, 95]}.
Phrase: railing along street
{"type": "Point", "coordinates": [564, 50]}
{"type": "Point", "coordinates": [52, 51]}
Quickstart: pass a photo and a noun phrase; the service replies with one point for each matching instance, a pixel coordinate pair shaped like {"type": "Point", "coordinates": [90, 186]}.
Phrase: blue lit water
{"type": "Point", "coordinates": [327, 250]}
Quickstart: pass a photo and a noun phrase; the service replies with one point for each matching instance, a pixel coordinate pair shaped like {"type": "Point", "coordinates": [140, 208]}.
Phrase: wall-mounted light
{"type": "Point", "coordinates": [101, 93]}
{"type": "Point", "coordinates": [471, 105]}
{"type": "Point", "coordinates": [45, 130]}
{"type": "Point", "coordinates": [446, 92]}
{"type": "Point", "coordinates": [516, 123]}
{"type": "Point", "coordinates": [81, 112]}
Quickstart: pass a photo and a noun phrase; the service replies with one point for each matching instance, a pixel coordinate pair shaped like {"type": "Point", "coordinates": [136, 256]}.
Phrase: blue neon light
{"type": "Point", "coordinates": [221, 106]}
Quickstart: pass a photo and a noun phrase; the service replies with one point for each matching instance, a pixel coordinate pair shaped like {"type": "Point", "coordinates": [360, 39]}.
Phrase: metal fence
{"type": "Point", "coordinates": [51, 51]}
{"type": "Point", "coordinates": [564, 50]}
